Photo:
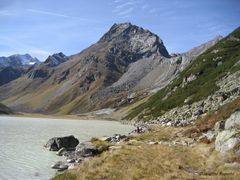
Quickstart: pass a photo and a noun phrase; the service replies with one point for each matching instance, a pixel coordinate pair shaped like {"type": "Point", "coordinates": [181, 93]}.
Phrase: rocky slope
{"type": "Point", "coordinates": [209, 82]}
{"type": "Point", "coordinates": [126, 62]}
{"type": "Point", "coordinates": [153, 73]}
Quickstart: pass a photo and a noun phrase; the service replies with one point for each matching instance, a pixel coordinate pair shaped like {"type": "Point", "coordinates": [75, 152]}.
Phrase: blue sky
{"type": "Point", "coordinates": [44, 27]}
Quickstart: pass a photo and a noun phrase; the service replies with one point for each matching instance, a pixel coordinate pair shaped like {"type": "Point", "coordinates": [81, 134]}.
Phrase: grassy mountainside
{"type": "Point", "coordinates": [206, 70]}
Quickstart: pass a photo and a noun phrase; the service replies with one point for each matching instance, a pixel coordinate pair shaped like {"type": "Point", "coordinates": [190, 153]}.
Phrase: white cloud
{"type": "Point", "coordinates": [130, 3]}
{"type": "Point", "coordinates": [126, 12]}
{"type": "Point", "coordinates": [124, 8]}
{"type": "Point", "coordinates": [47, 13]}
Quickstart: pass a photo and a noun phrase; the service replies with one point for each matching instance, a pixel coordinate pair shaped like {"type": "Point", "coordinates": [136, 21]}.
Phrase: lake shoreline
{"type": "Point", "coordinates": [26, 137]}
{"type": "Point", "coordinates": [61, 117]}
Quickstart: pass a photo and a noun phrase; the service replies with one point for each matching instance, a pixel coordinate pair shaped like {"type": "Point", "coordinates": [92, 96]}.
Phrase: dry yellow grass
{"type": "Point", "coordinates": [143, 161]}
{"type": "Point", "coordinates": [157, 133]}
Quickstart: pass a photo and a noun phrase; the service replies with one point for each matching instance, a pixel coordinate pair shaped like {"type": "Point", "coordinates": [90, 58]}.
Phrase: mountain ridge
{"type": "Point", "coordinates": [18, 60]}
{"type": "Point", "coordinates": [78, 83]}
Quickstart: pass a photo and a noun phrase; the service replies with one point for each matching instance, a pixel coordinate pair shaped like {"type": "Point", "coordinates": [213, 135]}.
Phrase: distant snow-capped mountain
{"type": "Point", "coordinates": [18, 60]}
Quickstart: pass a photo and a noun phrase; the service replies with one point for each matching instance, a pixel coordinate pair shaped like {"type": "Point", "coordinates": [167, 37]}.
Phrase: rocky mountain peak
{"type": "Point", "coordinates": [56, 59]}
{"type": "Point", "coordinates": [135, 39]}
{"type": "Point", "coordinates": [18, 60]}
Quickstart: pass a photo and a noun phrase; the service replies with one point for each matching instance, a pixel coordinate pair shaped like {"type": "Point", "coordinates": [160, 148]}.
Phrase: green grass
{"type": "Point", "coordinates": [209, 73]}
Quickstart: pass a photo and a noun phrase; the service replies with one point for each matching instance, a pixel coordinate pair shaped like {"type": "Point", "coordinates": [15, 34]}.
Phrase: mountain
{"type": "Point", "coordinates": [122, 63]}
{"type": "Point", "coordinates": [14, 66]}
{"type": "Point", "coordinates": [154, 73]}
{"type": "Point", "coordinates": [18, 60]}
{"type": "Point", "coordinates": [9, 73]}
{"type": "Point", "coordinates": [5, 110]}
{"type": "Point", "coordinates": [44, 70]}
{"type": "Point", "coordinates": [56, 59]}
{"type": "Point", "coordinates": [206, 84]}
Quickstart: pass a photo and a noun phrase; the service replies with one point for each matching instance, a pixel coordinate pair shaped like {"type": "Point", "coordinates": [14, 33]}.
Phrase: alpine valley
{"type": "Point", "coordinates": [128, 63]}
{"type": "Point", "coordinates": [185, 106]}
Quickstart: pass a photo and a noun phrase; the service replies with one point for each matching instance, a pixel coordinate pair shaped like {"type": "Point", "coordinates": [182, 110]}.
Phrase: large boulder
{"type": "Point", "coordinates": [228, 135]}
{"type": "Point", "coordinates": [233, 121]}
{"type": "Point", "coordinates": [56, 143]}
{"type": "Point", "coordinates": [227, 140]}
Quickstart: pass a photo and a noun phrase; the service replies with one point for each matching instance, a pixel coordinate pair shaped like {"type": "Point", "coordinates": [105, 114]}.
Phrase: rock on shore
{"type": "Point", "coordinates": [56, 143]}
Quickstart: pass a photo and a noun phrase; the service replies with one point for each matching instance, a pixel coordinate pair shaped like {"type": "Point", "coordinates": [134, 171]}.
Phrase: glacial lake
{"type": "Point", "coordinates": [22, 155]}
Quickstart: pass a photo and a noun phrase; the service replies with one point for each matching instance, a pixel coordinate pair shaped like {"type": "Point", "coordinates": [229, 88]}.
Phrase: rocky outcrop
{"type": "Point", "coordinates": [86, 149]}
{"type": "Point", "coordinates": [152, 73]}
{"type": "Point", "coordinates": [136, 39]}
{"type": "Point", "coordinates": [228, 136]}
{"type": "Point", "coordinates": [75, 154]}
{"type": "Point", "coordinates": [45, 70]}
{"type": "Point", "coordinates": [73, 157]}
{"type": "Point", "coordinates": [38, 73]}
{"type": "Point", "coordinates": [56, 59]}
{"type": "Point", "coordinates": [56, 143]}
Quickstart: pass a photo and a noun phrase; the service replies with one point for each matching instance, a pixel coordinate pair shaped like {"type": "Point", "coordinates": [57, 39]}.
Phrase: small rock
{"type": "Point", "coordinates": [70, 160]}
{"type": "Point", "coordinates": [105, 138]}
{"type": "Point", "coordinates": [169, 124]}
{"type": "Point", "coordinates": [219, 126]}
{"type": "Point", "coordinates": [72, 166]}
{"type": "Point", "coordinates": [60, 166]}
{"type": "Point", "coordinates": [79, 160]}
{"type": "Point", "coordinates": [152, 142]}
{"type": "Point", "coordinates": [61, 151]}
